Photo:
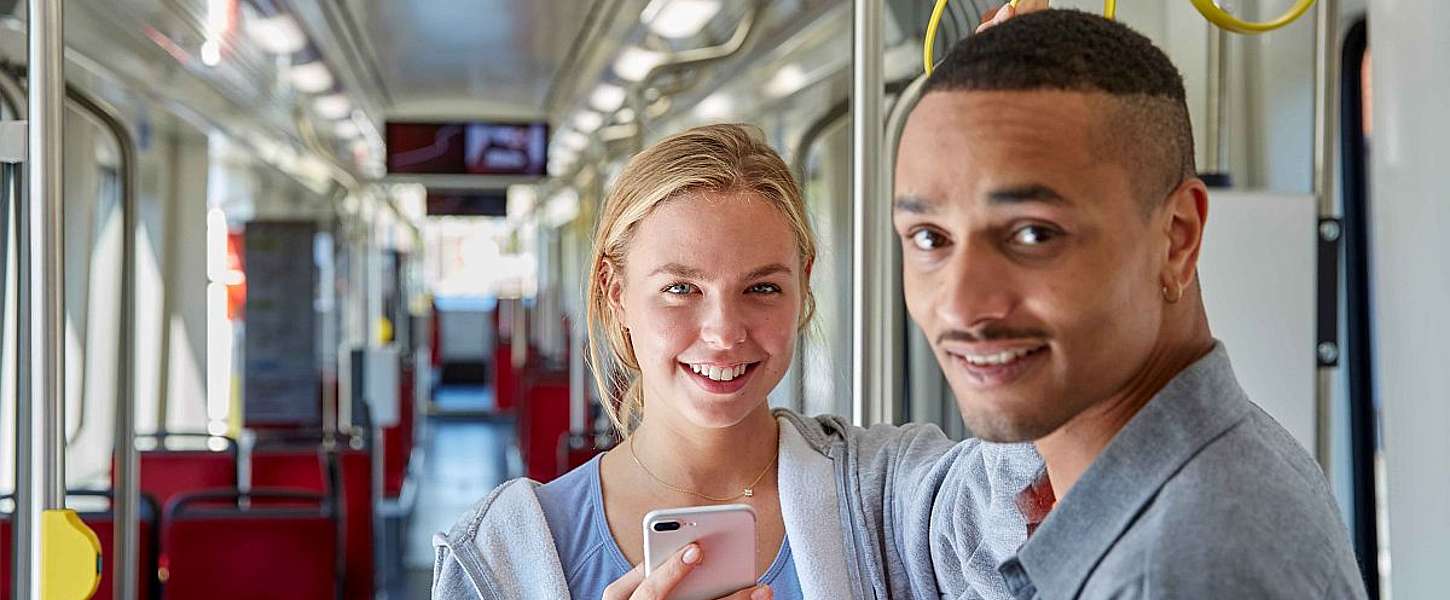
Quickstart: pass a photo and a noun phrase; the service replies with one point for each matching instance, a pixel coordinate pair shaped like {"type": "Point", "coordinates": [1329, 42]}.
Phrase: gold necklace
{"type": "Point", "coordinates": [748, 492]}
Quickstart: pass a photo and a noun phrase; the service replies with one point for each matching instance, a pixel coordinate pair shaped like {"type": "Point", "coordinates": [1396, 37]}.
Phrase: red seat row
{"type": "Point", "coordinates": [206, 527]}
{"type": "Point", "coordinates": [103, 524]}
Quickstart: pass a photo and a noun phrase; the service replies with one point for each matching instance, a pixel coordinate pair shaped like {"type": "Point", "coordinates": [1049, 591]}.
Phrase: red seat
{"type": "Point", "coordinates": [7, 558]}
{"type": "Point", "coordinates": [103, 525]}
{"type": "Point", "coordinates": [167, 470]}
{"type": "Point", "coordinates": [306, 469]}
{"type": "Point", "coordinates": [398, 439]}
{"type": "Point", "coordinates": [543, 421]}
{"type": "Point", "coordinates": [222, 552]}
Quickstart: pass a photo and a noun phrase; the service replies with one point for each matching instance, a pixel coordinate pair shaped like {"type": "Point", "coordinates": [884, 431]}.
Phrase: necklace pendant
{"type": "Point", "coordinates": [749, 493]}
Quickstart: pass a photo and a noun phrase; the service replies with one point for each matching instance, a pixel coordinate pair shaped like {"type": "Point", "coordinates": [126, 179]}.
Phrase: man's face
{"type": "Point", "coordinates": [1027, 257]}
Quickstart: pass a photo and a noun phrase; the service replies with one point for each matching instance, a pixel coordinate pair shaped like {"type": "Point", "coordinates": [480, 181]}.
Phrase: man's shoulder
{"type": "Point", "coordinates": [1250, 515]}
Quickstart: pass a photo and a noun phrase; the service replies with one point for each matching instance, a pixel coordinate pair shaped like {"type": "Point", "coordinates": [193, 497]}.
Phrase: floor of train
{"type": "Point", "coordinates": [465, 458]}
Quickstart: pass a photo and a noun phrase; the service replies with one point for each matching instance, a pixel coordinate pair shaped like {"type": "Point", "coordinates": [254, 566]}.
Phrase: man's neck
{"type": "Point", "coordinates": [1072, 448]}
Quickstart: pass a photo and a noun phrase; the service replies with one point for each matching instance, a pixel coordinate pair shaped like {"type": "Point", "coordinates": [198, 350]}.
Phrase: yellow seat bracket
{"type": "Point", "coordinates": [70, 567]}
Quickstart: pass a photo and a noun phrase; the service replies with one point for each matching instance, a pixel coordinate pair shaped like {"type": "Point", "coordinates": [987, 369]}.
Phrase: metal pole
{"type": "Point", "coordinates": [866, 134]}
{"type": "Point", "coordinates": [44, 487]}
{"type": "Point", "coordinates": [125, 491]}
{"type": "Point", "coordinates": [11, 191]}
{"type": "Point", "coordinates": [1215, 155]}
{"type": "Point", "coordinates": [1326, 121]}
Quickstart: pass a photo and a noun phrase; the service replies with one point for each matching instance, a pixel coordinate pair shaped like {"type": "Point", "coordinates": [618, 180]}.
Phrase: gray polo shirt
{"type": "Point", "coordinates": [1201, 495]}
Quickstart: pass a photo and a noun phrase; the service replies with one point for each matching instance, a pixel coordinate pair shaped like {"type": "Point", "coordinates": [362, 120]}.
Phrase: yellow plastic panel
{"type": "Point", "coordinates": [71, 566]}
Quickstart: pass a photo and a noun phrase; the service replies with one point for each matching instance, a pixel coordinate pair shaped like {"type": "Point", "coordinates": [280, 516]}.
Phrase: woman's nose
{"type": "Point", "coordinates": [724, 324]}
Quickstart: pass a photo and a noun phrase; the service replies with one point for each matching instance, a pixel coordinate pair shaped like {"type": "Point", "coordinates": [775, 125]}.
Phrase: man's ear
{"type": "Point", "coordinates": [1186, 215]}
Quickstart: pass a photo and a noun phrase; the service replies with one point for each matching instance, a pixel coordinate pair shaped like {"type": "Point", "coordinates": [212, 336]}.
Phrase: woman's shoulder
{"type": "Point", "coordinates": [502, 507]}
{"type": "Point", "coordinates": [485, 555]}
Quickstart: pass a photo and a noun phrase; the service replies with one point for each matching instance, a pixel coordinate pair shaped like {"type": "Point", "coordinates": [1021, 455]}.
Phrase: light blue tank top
{"type": "Point", "coordinates": [574, 508]}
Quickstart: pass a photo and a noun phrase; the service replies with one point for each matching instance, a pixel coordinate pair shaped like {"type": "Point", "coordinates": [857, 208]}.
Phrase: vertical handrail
{"type": "Point", "coordinates": [125, 485]}
{"type": "Point", "coordinates": [10, 195]}
{"type": "Point", "coordinates": [866, 134]}
{"type": "Point", "coordinates": [20, 561]}
{"type": "Point", "coordinates": [43, 486]}
{"type": "Point", "coordinates": [126, 495]}
{"type": "Point", "coordinates": [1326, 86]}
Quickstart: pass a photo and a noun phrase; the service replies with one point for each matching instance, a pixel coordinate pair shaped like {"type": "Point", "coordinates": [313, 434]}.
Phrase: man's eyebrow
{"type": "Point", "coordinates": [917, 205]}
{"type": "Point", "coordinates": [1027, 193]}
{"type": "Point", "coordinates": [770, 269]}
{"type": "Point", "coordinates": [679, 270]}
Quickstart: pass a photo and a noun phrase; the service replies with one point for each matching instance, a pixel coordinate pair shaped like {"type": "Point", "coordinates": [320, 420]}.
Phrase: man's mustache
{"type": "Point", "coordinates": [989, 333]}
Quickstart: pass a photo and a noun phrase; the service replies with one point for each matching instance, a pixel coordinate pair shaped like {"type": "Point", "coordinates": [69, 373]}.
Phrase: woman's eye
{"type": "Point", "coordinates": [926, 239]}
{"type": "Point", "coordinates": [765, 288]}
{"type": "Point", "coordinates": [1033, 235]}
{"type": "Point", "coordinates": [679, 289]}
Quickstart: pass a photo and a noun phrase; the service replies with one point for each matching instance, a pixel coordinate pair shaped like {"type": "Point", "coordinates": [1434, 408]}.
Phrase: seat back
{"type": "Point", "coordinates": [282, 545]}
{"type": "Point", "coordinates": [306, 468]}
{"type": "Point", "coordinates": [182, 462]}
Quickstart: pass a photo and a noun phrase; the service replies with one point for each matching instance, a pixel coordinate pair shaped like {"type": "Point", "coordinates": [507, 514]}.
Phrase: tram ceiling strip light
{"type": "Point", "coordinates": [634, 63]}
{"type": "Point", "coordinates": [335, 106]}
{"type": "Point", "coordinates": [278, 34]}
{"type": "Point", "coordinates": [311, 78]}
{"type": "Point", "coordinates": [347, 129]}
{"type": "Point", "coordinates": [607, 98]}
{"type": "Point", "coordinates": [588, 121]}
{"type": "Point", "coordinates": [677, 19]}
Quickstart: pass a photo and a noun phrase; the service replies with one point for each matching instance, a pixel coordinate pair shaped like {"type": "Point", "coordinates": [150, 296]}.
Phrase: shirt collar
{"type": "Point", "coordinates": [1199, 404]}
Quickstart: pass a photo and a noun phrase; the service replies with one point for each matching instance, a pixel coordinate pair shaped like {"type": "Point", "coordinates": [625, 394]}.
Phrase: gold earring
{"type": "Point", "coordinates": [1174, 296]}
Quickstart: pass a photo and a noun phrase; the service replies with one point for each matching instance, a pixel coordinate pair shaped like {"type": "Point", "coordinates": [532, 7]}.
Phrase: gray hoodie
{"type": "Point", "coordinates": [865, 510]}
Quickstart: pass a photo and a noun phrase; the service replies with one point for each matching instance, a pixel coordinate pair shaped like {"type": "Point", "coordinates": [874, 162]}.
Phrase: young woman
{"type": "Point", "coordinates": [701, 270]}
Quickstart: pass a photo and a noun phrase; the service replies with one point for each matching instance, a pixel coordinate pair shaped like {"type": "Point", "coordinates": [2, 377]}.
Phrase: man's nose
{"type": "Point", "coordinates": [975, 289]}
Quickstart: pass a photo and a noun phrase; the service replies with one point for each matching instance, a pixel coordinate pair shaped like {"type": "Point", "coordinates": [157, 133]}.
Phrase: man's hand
{"type": "Point", "coordinates": [999, 15]}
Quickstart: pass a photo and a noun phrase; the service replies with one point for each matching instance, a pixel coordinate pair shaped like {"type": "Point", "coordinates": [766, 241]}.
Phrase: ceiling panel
{"type": "Point", "coordinates": [501, 54]}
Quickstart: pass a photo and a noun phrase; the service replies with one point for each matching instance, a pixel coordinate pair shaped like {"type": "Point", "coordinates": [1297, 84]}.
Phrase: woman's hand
{"type": "Point", "coordinates": [1000, 15]}
{"type": "Point", "coordinates": [658, 586]}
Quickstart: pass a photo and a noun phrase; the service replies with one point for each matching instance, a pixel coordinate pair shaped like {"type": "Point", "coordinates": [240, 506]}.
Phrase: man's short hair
{"type": "Point", "coordinates": [1075, 51]}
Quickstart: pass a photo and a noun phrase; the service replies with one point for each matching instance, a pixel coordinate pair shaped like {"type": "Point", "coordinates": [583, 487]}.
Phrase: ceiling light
{"type": "Point", "coordinates": [335, 106]}
{"type": "Point", "coordinates": [716, 106]}
{"type": "Point", "coordinates": [211, 53]}
{"type": "Point", "coordinates": [607, 98]}
{"type": "Point", "coordinates": [588, 121]}
{"type": "Point", "coordinates": [573, 140]}
{"type": "Point", "coordinates": [679, 18]}
{"type": "Point", "coordinates": [310, 78]}
{"type": "Point", "coordinates": [278, 34]}
{"type": "Point", "coordinates": [786, 81]}
{"type": "Point", "coordinates": [347, 129]}
{"type": "Point", "coordinates": [634, 63]}
{"type": "Point", "coordinates": [625, 115]}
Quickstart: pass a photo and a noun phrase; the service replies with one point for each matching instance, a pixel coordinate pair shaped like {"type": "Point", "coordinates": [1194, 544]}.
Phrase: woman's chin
{"type": "Point", "coordinates": [720, 413]}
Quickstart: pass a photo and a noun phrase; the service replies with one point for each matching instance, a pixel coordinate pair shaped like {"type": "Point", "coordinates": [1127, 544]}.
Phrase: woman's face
{"type": "Point", "coordinates": [711, 294]}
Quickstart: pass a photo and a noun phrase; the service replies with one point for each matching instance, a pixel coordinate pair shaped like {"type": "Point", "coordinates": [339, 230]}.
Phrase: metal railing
{"type": "Point", "coordinates": [45, 75]}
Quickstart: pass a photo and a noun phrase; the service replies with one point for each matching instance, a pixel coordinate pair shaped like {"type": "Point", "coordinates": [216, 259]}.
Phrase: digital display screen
{"type": "Point", "coordinates": [467, 203]}
{"type": "Point", "coordinates": [468, 148]}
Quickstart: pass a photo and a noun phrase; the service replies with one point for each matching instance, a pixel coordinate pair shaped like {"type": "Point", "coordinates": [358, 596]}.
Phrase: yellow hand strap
{"type": "Point", "coordinates": [1208, 8]}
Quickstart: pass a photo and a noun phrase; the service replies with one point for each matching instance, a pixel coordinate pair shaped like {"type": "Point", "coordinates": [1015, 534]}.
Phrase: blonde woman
{"type": "Point", "coordinates": [701, 282]}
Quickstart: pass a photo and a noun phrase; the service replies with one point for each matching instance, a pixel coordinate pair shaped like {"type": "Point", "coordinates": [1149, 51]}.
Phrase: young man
{"type": "Point", "coordinates": [1050, 220]}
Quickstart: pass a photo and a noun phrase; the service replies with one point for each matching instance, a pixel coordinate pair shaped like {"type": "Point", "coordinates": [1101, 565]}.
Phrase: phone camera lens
{"type": "Point", "coordinates": [667, 526]}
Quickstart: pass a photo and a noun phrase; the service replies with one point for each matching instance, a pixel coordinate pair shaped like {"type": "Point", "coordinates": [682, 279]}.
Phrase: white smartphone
{"type": "Point", "coordinates": [726, 535]}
